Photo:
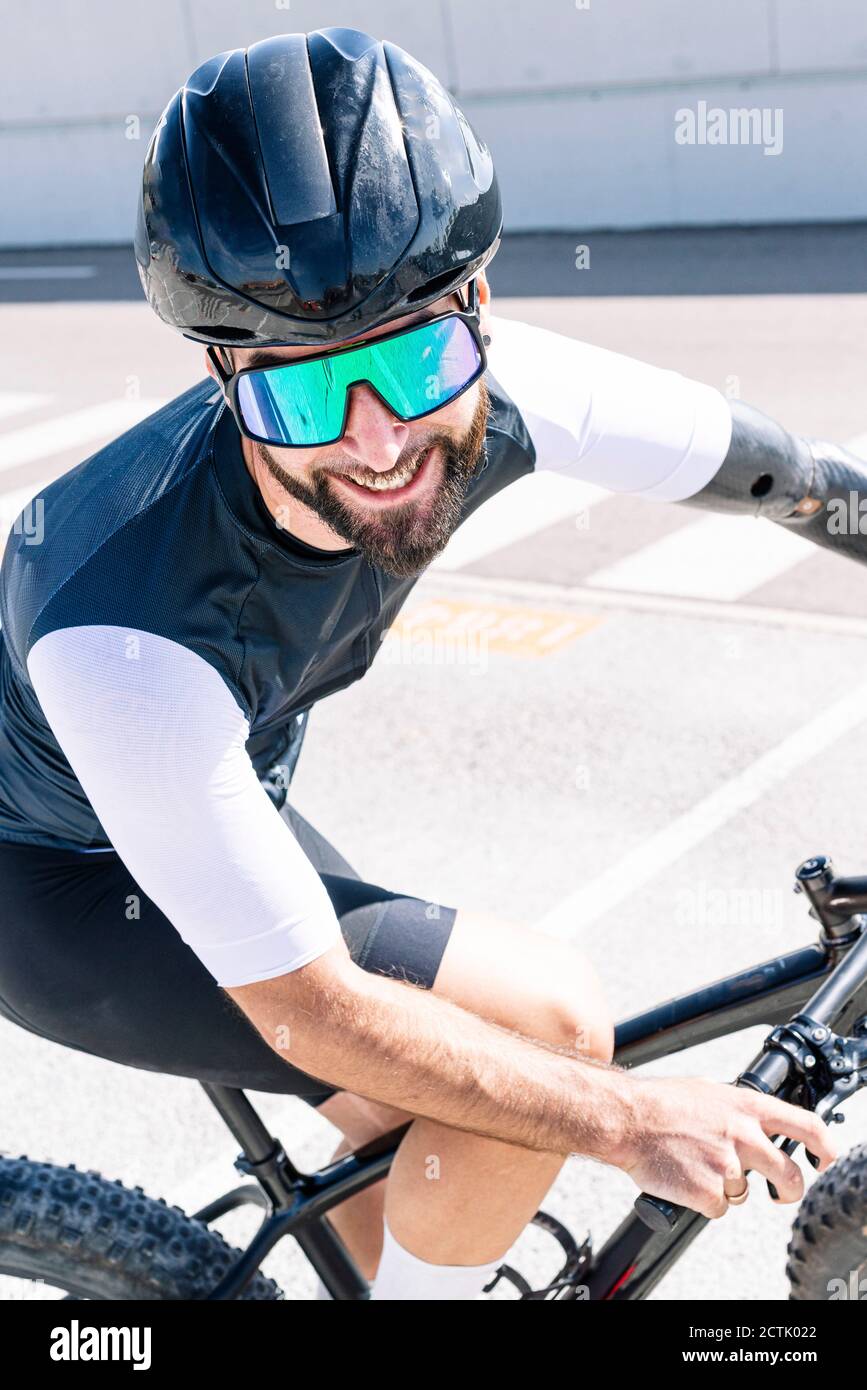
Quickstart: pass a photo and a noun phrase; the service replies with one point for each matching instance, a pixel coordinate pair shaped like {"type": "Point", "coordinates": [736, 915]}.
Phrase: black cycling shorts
{"type": "Point", "coordinates": [77, 971]}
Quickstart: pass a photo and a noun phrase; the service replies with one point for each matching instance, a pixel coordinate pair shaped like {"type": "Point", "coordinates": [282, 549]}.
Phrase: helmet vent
{"type": "Point", "coordinates": [433, 289]}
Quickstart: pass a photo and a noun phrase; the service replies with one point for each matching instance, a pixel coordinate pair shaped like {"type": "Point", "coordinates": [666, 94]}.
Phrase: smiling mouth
{"type": "Point", "coordinates": [397, 485]}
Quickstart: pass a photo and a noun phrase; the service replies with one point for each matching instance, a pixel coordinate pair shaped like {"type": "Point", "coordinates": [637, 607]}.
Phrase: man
{"type": "Point", "coordinates": [318, 213]}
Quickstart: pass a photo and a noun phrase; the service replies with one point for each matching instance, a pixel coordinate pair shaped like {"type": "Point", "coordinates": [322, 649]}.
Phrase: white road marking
{"type": "Point", "coordinates": [718, 557]}
{"type": "Point", "coordinates": [530, 590]}
{"type": "Point", "coordinates": [526, 506]}
{"type": "Point", "coordinates": [101, 421]}
{"type": "Point", "coordinates": [721, 557]}
{"type": "Point", "coordinates": [16, 402]}
{"type": "Point", "coordinates": [47, 272]}
{"type": "Point", "coordinates": [642, 864]}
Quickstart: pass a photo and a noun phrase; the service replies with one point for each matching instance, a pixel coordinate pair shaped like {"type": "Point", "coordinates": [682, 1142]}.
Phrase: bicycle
{"type": "Point", "coordinates": [96, 1239]}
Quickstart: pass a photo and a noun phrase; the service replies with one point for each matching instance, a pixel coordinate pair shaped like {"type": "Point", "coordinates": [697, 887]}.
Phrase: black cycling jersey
{"type": "Point", "coordinates": [164, 531]}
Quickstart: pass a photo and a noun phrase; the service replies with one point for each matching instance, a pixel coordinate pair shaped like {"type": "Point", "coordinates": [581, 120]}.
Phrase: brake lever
{"type": "Point", "coordinates": [788, 1147]}
{"type": "Point", "coordinates": [825, 1109]}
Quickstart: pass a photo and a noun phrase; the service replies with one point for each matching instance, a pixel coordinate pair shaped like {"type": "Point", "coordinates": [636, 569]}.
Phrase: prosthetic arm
{"type": "Point", "coordinates": [807, 485]}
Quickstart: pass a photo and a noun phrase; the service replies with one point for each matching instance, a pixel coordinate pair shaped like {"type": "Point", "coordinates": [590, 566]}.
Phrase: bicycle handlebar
{"type": "Point", "coordinates": [833, 901]}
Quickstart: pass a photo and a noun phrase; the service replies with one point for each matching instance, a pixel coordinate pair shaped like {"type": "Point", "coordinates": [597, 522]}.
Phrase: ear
{"type": "Point", "coordinates": [484, 306]}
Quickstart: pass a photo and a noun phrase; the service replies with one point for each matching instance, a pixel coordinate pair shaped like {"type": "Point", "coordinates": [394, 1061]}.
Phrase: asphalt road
{"type": "Point", "coordinates": [626, 723]}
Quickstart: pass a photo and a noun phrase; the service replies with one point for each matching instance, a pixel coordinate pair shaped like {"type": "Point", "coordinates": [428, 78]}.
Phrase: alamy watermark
{"type": "Point", "coordinates": [428, 644]}
{"type": "Point", "coordinates": [739, 125]}
{"type": "Point", "coordinates": [77, 1343]}
{"type": "Point", "coordinates": [706, 906]}
{"type": "Point", "coordinates": [852, 1289]}
{"type": "Point", "coordinates": [847, 516]}
{"type": "Point", "coordinates": [29, 522]}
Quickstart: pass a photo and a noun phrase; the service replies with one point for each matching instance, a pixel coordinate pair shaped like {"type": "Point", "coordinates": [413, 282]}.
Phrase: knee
{"type": "Point", "coordinates": [534, 984]}
{"type": "Point", "coordinates": [577, 1014]}
{"type": "Point", "coordinates": [586, 1032]}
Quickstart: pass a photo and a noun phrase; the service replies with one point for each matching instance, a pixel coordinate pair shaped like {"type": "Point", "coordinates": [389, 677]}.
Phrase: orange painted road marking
{"type": "Point", "coordinates": [496, 627]}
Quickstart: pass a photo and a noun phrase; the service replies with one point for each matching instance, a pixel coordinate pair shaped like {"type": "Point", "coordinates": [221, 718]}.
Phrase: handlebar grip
{"type": "Point", "coordinates": [663, 1216]}
{"type": "Point", "coordinates": [656, 1213]}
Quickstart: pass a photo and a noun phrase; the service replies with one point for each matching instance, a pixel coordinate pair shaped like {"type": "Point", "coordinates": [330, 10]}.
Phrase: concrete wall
{"type": "Point", "coordinates": [577, 99]}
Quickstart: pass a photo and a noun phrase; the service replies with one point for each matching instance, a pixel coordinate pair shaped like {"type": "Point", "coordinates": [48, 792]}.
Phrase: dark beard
{"type": "Point", "coordinates": [404, 540]}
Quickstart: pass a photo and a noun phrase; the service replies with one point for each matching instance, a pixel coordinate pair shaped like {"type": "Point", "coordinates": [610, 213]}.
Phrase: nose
{"type": "Point", "coordinates": [374, 437]}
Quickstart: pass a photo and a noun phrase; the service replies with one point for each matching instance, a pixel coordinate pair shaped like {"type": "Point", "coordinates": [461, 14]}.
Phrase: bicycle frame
{"type": "Point", "coordinates": [827, 980]}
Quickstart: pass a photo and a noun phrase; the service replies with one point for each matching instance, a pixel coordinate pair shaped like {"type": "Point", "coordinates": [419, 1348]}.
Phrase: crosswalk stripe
{"type": "Point", "coordinates": [721, 557]}
{"type": "Point", "coordinates": [16, 402]}
{"type": "Point", "coordinates": [526, 506]}
{"type": "Point", "coordinates": [49, 437]}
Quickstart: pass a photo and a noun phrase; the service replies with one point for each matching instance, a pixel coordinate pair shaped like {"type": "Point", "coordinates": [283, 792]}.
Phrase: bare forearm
{"type": "Point", "coordinates": [405, 1047]}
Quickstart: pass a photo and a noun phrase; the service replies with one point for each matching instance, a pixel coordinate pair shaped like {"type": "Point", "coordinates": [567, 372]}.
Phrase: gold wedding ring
{"type": "Point", "coordinates": [738, 1198]}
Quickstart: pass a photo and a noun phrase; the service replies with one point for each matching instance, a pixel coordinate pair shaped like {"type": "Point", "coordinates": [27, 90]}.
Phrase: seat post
{"type": "Point", "coordinates": [264, 1154]}
{"type": "Point", "coordinates": [265, 1159]}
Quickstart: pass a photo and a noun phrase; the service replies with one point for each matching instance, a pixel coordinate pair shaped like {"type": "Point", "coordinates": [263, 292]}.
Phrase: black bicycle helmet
{"type": "Point", "coordinates": [309, 188]}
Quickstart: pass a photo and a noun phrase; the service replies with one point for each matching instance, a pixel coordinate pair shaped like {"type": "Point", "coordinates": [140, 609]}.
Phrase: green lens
{"type": "Point", "coordinates": [304, 403]}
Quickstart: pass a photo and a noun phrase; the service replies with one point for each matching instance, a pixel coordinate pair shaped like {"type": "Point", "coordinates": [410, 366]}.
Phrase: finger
{"type": "Point", "coordinates": [712, 1207]}
{"type": "Point", "coordinates": [778, 1117]}
{"type": "Point", "coordinates": [761, 1156]}
{"type": "Point", "coordinates": [734, 1177]}
{"type": "Point", "coordinates": [736, 1190]}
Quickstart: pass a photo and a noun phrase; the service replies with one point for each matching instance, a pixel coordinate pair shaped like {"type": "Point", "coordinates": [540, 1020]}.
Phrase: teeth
{"type": "Point", "coordinates": [389, 482]}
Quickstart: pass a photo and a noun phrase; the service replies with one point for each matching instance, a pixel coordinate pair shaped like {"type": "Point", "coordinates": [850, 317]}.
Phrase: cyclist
{"type": "Point", "coordinates": [317, 213]}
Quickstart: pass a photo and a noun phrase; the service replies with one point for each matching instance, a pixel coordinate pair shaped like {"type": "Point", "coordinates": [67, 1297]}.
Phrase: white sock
{"type": "Point", "coordinates": [404, 1276]}
{"type": "Point", "coordinates": [321, 1291]}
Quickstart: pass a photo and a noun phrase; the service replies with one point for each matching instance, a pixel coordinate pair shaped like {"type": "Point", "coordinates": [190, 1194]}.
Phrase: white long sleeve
{"type": "Point", "coordinates": [608, 419]}
{"type": "Point", "coordinates": [156, 740]}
